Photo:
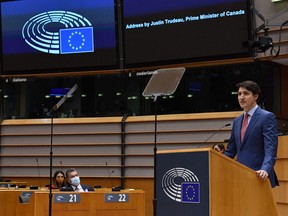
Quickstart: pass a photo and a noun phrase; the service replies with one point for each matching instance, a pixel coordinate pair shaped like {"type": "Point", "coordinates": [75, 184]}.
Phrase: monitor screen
{"type": "Point", "coordinates": [57, 35]}
{"type": "Point", "coordinates": [158, 31]}
{"type": "Point", "coordinates": [59, 91]}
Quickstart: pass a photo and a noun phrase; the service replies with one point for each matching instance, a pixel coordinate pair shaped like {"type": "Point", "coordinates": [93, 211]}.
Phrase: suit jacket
{"type": "Point", "coordinates": [258, 149]}
{"type": "Point", "coordinates": [68, 187]}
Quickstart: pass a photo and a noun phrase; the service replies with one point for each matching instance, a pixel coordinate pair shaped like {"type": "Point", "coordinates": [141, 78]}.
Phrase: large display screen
{"type": "Point", "coordinates": [168, 30]}
{"type": "Point", "coordinates": [57, 35]}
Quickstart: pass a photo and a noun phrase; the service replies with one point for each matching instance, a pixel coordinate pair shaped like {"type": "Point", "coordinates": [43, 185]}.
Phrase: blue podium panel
{"type": "Point", "coordinates": [183, 184]}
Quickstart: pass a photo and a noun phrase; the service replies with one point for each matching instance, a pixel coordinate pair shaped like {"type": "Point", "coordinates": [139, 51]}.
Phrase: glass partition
{"type": "Point", "coordinates": [210, 89]}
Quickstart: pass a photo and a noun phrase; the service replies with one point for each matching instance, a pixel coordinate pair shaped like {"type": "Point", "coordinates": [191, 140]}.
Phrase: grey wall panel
{"type": "Point", "coordinates": [27, 129]}
{"type": "Point", "coordinates": [26, 150]}
{"type": "Point", "coordinates": [177, 137]}
{"type": "Point", "coordinates": [87, 128]}
{"type": "Point", "coordinates": [87, 150]}
{"type": "Point", "coordinates": [180, 125]}
{"type": "Point", "coordinates": [87, 138]}
{"type": "Point", "coordinates": [95, 149]}
{"type": "Point", "coordinates": [139, 161]}
{"type": "Point", "coordinates": [140, 172]}
{"type": "Point", "coordinates": [139, 149]}
{"type": "Point", "coordinates": [32, 139]}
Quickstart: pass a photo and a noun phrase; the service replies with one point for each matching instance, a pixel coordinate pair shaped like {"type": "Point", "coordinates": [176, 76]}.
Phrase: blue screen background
{"type": "Point", "coordinates": [14, 15]}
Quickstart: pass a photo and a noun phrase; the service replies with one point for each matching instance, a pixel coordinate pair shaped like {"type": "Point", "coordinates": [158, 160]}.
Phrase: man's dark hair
{"type": "Point", "coordinates": [69, 171]}
{"type": "Point", "coordinates": [250, 86]}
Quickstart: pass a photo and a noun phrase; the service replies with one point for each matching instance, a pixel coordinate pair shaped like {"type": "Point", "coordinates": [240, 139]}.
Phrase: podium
{"type": "Point", "coordinates": [203, 182]}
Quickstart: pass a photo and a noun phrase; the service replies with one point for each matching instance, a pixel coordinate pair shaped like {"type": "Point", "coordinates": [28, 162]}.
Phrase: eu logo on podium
{"type": "Point", "coordinates": [190, 192]}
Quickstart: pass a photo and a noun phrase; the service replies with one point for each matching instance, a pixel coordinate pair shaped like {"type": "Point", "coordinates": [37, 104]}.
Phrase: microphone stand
{"type": "Point", "coordinates": [51, 162]}
{"type": "Point", "coordinates": [155, 156]}
{"type": "Point", "coordinates": [51, 112]}
{"type": "Point", "coordinates": [162, 82]}
{"type": "Point", "coordinates": [213, 134]}
{"type": "Point", "coordinates": [1, 120]}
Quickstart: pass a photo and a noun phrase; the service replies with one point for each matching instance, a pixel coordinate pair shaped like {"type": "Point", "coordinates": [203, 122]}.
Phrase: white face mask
{"type": "Point", "coordinates": [75, 181]}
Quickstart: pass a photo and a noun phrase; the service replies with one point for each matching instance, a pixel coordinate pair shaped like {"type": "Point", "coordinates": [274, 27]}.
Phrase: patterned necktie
{"type": "Point", "coordinates": [244, 126]}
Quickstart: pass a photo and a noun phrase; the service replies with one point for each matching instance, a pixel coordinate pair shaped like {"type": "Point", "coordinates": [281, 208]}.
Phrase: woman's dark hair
{"type": "Point", "coordinates": [57, 172]}
{"type": "Point", "coordinates": [250, 86]}
{"type": "Point", "coordinates": [55, 175]}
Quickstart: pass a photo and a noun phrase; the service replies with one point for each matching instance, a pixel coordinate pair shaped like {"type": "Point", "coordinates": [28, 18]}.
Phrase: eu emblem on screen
{"type": "Point", "coordinates": [74, 36]}
{"type": "Point", "coordinates": [76, 40]}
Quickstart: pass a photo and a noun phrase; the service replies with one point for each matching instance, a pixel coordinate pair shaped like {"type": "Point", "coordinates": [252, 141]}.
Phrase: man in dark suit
{"type": "Point", "coordinates": [73, 182]}
{"type": "Point", "coordinates": [255, 139]}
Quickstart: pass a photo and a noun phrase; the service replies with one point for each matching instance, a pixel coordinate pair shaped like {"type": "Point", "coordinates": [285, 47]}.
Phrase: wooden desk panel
{"type": "Point", "coordinates": [91, 204]}
{"type": "Point", "coordinates": [8, 201]}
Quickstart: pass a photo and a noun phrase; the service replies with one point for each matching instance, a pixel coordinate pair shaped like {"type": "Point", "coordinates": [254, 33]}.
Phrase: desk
{"type": "Point", "coordinates": [7, 184]}
{"type": "Point", "coordinates": [101, 202]}
{"type": "Point", "coordinates": [9, 198]}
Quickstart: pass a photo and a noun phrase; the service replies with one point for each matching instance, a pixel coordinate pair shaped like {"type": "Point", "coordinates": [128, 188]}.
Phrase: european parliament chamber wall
{"type": "Point", "coordinates": [105, 151]}
{"type": "Point", "coordinates": [110, 151]}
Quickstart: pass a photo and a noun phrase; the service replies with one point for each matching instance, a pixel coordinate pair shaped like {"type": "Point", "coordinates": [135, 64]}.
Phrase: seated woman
{"type": "Point", "coordinates": [219, 147]}
{"type": "Point", "coordinates": [58, 179]}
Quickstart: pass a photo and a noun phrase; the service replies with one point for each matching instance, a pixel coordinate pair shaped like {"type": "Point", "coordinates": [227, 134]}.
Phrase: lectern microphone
{"type": "Point", "coordinates": [213, 134]}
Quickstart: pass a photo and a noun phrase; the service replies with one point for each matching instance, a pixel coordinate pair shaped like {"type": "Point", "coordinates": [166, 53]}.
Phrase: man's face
{"type": "Point", "coordinates": [246, 99]}
{"type": "Point", "coordinates": [72, 175]}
